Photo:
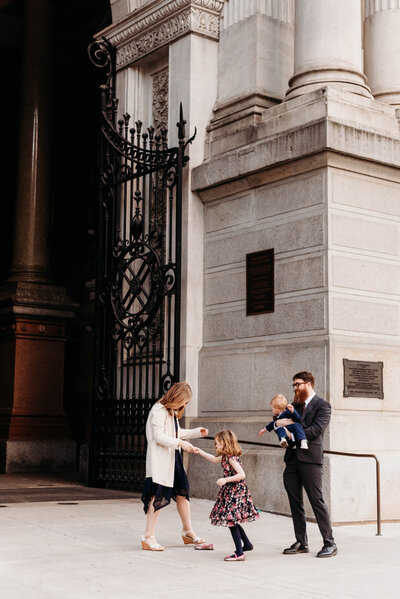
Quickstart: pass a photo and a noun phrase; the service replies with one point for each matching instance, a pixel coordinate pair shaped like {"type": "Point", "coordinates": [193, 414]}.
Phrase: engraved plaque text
{"type": "Point", "coordinates": [363, 379]}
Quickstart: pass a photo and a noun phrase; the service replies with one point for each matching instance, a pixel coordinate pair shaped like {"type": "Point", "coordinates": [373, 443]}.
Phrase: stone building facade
{"type": "Point", "coordinates": [296, 105]}
{"type": "Point", "coordinates": [297, 150]}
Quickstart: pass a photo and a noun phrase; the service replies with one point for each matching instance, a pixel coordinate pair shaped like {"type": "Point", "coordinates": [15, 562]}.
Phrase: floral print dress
{"type": "Point", "coordinates": [234, 503]}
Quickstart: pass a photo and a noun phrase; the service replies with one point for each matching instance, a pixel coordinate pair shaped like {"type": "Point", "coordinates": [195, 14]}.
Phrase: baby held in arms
{"type": "Point", "coordinates": [282, 409]}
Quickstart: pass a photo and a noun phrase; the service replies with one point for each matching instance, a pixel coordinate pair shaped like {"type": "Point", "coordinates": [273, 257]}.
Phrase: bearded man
{"type": "Point", "coordinates": [304, 468]}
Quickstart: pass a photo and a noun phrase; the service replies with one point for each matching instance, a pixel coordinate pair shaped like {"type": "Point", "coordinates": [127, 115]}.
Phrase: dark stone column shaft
{"type": "Point", "coordinates": [30, 258]}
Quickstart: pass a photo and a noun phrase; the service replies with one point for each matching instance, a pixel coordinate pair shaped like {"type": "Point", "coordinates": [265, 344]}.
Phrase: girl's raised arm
{"type": "Point", "coordinates": [208, 456]}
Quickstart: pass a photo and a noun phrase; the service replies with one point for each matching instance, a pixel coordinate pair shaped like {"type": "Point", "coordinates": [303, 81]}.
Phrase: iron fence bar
{"type": "Point", "coordinates": [343, 453]}
{"type": "Point", "coordinates": [178, 243]}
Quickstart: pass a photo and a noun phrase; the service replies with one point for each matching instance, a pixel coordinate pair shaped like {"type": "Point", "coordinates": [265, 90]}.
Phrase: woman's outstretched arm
{"type": "Point", "coordinates": [190, 433]}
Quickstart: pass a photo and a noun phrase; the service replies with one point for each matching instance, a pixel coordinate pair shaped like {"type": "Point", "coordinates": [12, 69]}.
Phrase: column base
{"type": "Point", "coordinates": [241, 114]}
{"type": "Point", "coordinates": [51, 455]}
{"type": "Point", "coordinates": [341, 79]}
{"type": "Point", "coordinates": [391, 97]}
{"type": "Point", "coordinates": [34, 428]}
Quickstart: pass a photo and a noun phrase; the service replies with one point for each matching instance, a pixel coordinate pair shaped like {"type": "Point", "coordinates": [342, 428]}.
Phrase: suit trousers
{"type": "Point", "coordinates": [299, 475]}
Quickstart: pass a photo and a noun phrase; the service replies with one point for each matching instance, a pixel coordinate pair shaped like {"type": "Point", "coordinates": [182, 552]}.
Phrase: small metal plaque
{"type": "Point", "coordinates": [260, 282]}
{"type": "Point", "coordinates": [363, 379]}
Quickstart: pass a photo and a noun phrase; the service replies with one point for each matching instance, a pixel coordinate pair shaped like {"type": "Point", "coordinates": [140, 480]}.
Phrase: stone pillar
{"type": "Point", "coordinates": [196, 88]}
{"type": "Point", "coordinates": [327, 48]}
{"type": "Point", "coordinates": [255, 60]}
{"type": "Point", "coordinates": [382, 49]}
{"type": "Point", "coordinates": [34, 429]}
{"type": "Point", "coordinates": [30, 259]}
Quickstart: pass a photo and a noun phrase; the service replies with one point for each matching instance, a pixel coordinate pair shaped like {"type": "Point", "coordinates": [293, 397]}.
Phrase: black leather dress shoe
{"type": "Point", "coordinates": [327, 551]}
{"type": "Point", "coordinates": [296, 548]}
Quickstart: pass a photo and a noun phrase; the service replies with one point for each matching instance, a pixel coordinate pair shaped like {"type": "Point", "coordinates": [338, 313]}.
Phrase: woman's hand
{"type": "Point", "coordinates": [290, 407]}
{"type": "Point", "coordinates": [204, 432]}
{"type": "Point", "coordinates": [262, 431]}
{"type": "Point", "coordinates": [221, 482]}
{"type": "Point", "coordinates": [186, 446]}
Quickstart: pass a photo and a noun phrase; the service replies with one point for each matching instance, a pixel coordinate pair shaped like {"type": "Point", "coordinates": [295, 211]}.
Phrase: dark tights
{"type": "Point", "coordinates": [239, 536]}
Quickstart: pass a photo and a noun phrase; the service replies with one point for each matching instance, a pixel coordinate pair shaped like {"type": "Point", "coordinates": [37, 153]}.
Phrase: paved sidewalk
{"type": "Point", "coordinates": [91, 549]}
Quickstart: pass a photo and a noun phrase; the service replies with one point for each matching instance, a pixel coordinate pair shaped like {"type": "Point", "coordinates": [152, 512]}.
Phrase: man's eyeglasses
{"type": "Point", "coordinates": [296, 385]}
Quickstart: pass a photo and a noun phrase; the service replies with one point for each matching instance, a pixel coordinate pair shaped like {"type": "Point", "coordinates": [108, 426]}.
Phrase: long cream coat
{"type": "Point", "coordinates": [161, 444]}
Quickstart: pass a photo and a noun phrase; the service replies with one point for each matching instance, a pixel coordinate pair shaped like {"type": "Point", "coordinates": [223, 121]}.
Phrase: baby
{"type": "Point", "coordinates": [281, 409]}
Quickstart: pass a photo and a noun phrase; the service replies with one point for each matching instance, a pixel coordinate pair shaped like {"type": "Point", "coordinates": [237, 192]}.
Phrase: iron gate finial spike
{"type": "Point", "coordinates": [181, 124]}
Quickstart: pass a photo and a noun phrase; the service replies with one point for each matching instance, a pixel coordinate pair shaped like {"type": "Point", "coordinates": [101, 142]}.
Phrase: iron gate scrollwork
{"type": "Point", "coordinates": [138, 282]}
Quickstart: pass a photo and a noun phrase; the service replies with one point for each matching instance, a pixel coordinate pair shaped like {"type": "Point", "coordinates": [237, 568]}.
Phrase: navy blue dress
{"type": "Point", "coordinates": [163, 495]}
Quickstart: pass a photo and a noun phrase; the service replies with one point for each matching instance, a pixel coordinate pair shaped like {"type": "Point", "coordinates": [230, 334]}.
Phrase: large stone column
{"type": "Point", "coordinates": [30, 259]}
{"type": "Point", "coordinates": [327, 47]}
{"type": "Point", "coordinates": [382, 49]}
{"type": "Point", "coordinates": [256, 49]}
{"type": "Point", "coordinates": [255, 62]}
{"type": "Point", "coordinates": [34, 429]}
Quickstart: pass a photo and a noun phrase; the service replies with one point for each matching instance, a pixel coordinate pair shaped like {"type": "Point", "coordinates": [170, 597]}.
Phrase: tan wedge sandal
{"type": "Point", "coordinates": [189, 538]}
{"type": "Point", "coordinates": [150, 544]}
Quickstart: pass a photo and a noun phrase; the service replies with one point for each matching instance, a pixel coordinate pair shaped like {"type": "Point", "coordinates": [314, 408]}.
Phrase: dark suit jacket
{"type": "Point", "coordinates": [314, 420]}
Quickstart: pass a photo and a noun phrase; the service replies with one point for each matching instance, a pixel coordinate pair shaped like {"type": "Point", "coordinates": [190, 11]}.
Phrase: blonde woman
{"type": "Point", "coordinates": [165, 475]}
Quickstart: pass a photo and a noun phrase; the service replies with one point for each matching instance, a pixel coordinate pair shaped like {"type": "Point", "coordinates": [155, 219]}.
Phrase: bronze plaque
{"type": "Point", "coordinates": [260, 282]}
{"type": "Point", "coordinates": [363, 379]}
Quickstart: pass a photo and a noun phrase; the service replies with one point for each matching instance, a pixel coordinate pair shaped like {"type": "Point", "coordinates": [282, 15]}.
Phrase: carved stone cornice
{"type": "Point", "coordinates": [159, 23]}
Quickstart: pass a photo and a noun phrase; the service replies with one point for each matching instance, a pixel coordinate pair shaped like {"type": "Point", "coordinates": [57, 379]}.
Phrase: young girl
{"type": "Point", "coordinates": [234, 504]}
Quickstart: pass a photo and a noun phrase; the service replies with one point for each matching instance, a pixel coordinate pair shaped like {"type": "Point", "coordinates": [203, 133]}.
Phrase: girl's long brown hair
{"type": "Point", "coordinates": [176, 398]}
{"type": "Point", "coordinates": [230, 445]}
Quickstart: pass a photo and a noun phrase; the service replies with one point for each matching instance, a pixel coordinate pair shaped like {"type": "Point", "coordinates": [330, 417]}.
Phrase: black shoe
{"type": "Point", "coordinates": [297, 547]}
{"type": "Point", "coordinates": [327, 551]}
{"type": "Point", "coordinates": [248, 547]}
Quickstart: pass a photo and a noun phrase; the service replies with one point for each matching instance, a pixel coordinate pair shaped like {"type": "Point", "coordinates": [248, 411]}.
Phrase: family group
{"type": "Point", "coordinates": [299, 426]}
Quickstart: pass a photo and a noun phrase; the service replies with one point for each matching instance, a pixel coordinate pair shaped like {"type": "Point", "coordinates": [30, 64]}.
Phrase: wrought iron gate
{"type": "Point", "coordinates": [138, 283]}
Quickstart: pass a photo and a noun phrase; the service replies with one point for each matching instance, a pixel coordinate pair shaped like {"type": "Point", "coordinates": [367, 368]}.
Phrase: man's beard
{"type": "Point", "coordinates": [300, 396]}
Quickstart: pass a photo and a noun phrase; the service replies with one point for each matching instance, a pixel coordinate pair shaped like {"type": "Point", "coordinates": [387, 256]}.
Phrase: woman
{"type": "Point", "coordinates": [165, 475]}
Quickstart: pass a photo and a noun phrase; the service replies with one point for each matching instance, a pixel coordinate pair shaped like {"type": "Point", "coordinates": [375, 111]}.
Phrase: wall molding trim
{"type": "Point", "coordinates": [160, 22]}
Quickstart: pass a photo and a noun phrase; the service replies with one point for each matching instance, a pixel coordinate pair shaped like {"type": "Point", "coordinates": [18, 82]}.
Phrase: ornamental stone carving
{"type": "Point", "coordinates": [160, 100]}
{"type": "Point", "coordinates": [160, 22]}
